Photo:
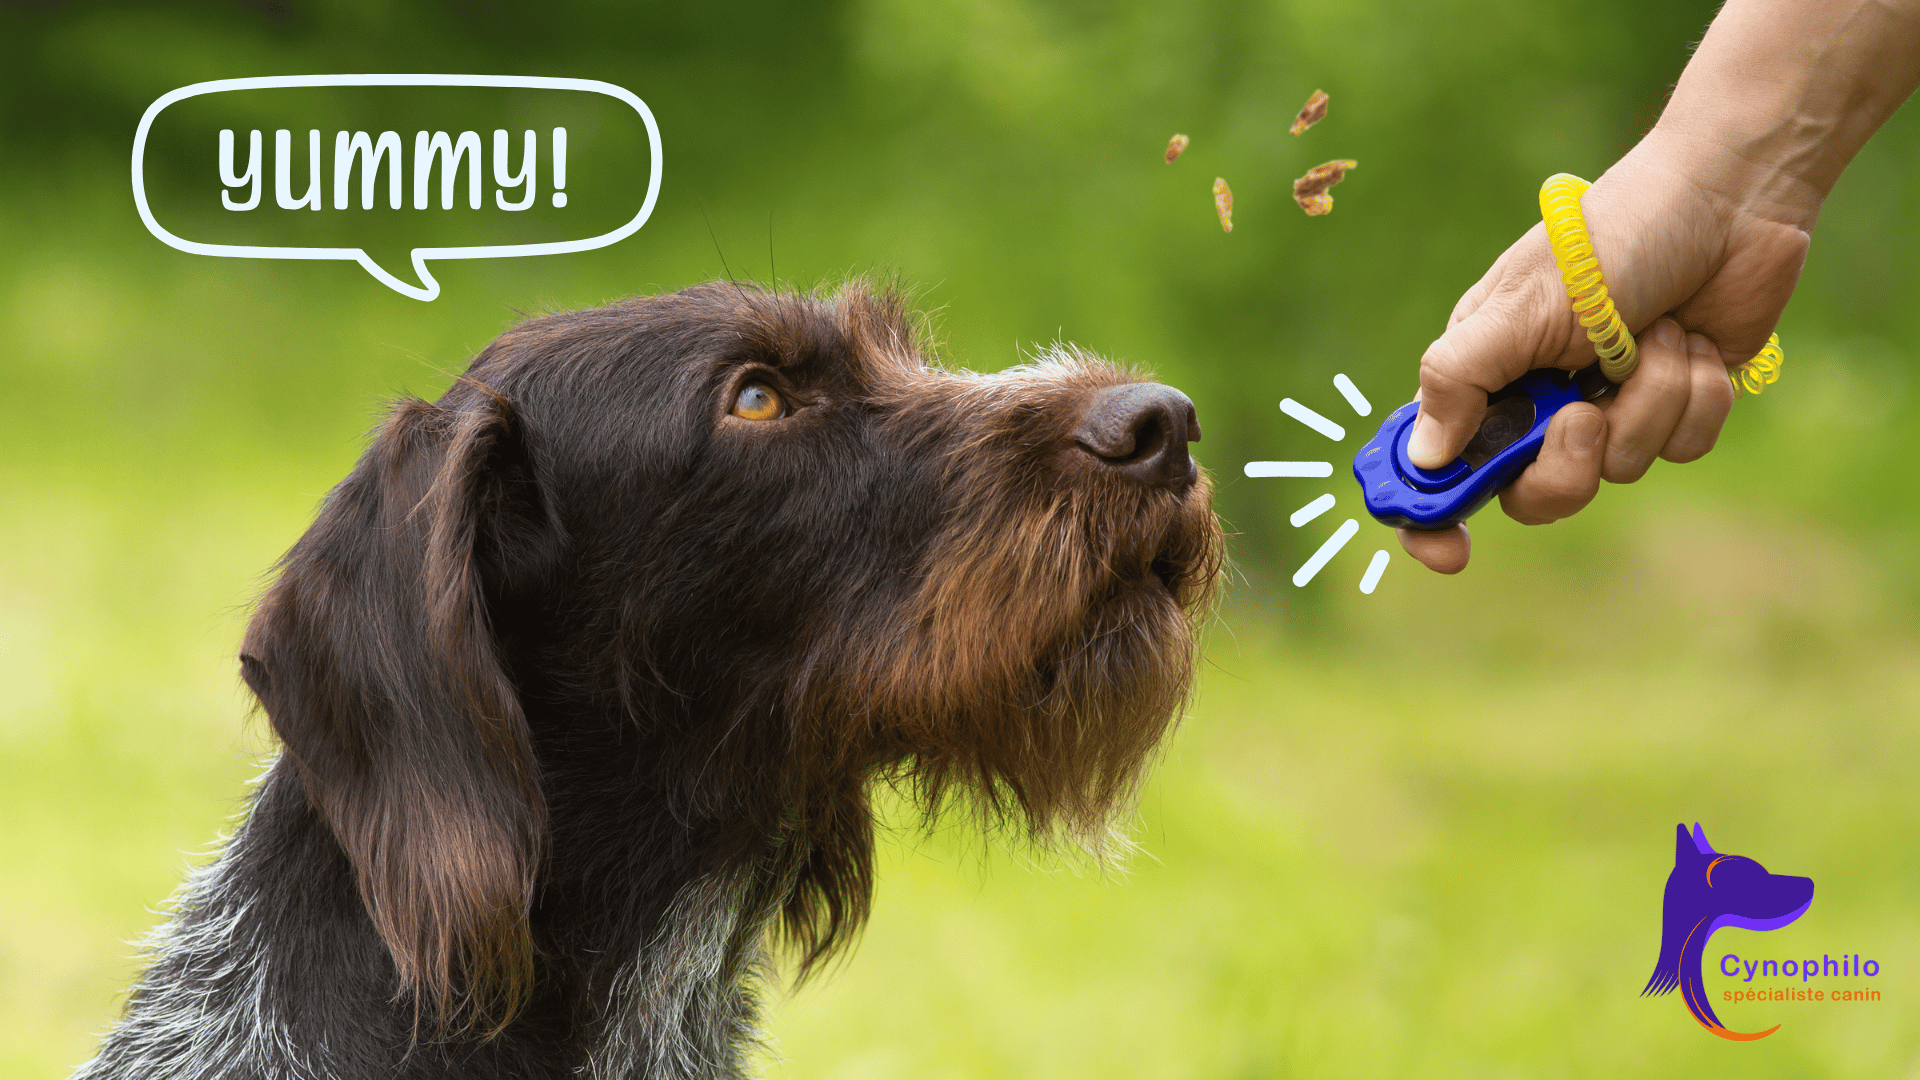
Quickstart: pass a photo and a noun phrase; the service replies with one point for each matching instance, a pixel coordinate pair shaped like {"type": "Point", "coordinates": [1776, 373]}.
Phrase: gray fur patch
{"type": "Point", "coordinates": [685, 1008]}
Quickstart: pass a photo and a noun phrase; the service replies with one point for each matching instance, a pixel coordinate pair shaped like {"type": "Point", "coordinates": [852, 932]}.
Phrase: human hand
{"type": "Point", "coordinates": [1674, 235]}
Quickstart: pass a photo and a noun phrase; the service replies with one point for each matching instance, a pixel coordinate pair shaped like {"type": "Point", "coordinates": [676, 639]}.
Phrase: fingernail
{"type": "Point", "coordinates": [1667, 333]}
{"type": "Point", "coordinates": [1423, 446]}
{"type": "Point", "coordinates": [1586, 430]}
{"type": "Point", "coordinates": [1699, 345]}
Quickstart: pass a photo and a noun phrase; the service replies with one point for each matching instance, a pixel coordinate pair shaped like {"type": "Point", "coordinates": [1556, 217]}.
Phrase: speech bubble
{"type": "Point", "coordinates": [543, 154]}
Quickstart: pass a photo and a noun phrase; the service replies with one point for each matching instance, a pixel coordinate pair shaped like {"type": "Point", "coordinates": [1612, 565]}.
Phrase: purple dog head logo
{"type": "Point", "coordinates": [1706, 891]}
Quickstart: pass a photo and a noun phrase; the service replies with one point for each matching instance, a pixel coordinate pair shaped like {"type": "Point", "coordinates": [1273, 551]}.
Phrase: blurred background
{"type": "Point", "coordinates": [1421, 833]}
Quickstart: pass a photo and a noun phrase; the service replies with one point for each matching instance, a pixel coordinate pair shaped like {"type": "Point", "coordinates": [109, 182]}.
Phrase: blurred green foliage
{"type": "Point", "coordinates": [1420, 834]}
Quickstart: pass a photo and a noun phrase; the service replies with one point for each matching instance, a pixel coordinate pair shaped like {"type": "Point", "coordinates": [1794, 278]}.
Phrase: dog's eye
{"type": "Point", "coordinates": [758, 402]}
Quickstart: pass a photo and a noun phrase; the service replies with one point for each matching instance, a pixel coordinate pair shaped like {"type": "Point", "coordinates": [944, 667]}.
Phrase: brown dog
{"type": "Point", "coordinates": [586, 670]}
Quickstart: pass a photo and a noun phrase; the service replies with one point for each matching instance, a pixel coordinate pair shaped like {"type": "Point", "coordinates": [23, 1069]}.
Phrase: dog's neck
{"type": "Point", "coordinates": [649, 957]}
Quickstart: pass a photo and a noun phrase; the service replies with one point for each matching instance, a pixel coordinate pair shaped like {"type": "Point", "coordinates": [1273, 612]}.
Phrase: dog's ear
{"type": "Point", "coordinates": [1700, 844]}
{"type": "Point", "coordinates": [1690, 847]}
{"type": "Point", "coordinates": [374, 657]}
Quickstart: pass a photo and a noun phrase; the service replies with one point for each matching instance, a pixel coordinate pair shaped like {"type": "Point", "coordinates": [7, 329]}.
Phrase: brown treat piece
{"type": "Point", "coordinates": [1175, 147]}
{"type": "Point", "coordinates": [1310, 191]}
{"type": "Point", "coordinates": [1223, 202]}
{"type": "Point", "coordinates": [1310, 114]}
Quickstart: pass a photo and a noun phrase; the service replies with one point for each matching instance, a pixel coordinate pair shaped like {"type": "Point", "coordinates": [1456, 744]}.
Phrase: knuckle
{"type": "Point", "coordinates": [1545, 499]}
{"type": "Point", "coordinates": [1694, 438]}
{"type": "Point", "coordinates": [1666, 380]}
{"type": "Point", "coordinates": [1440, 364]}
{"type": "Point", "coordinates": [1573, 498]}
{"type": "Point", "coordinates": [1443, 390]}
{"type": "Point", "coordinates": [1624, 465]}
{"type": "Point", "coordinates": [1524, 510]}
{"type": "Point", "coordinates": [1568, 490]}
{"type": "Point", "coordinates": [1682, 449]}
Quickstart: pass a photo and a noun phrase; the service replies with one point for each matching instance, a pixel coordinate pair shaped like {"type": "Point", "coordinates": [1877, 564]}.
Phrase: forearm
{"type": "Point", "coordinates": [1781, 94]}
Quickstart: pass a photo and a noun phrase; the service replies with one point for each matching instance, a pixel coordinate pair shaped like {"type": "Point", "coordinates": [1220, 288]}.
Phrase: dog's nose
{"type": "Point", "coordinates": [1141, 431]}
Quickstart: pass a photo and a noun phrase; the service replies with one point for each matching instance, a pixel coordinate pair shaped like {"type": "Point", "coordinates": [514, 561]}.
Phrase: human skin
{"type": "Point", "coordinates": [1705, 222]}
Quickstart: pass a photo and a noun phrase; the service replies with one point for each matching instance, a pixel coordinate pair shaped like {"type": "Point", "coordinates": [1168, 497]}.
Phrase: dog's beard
{"type": "Point", "coordinates": [1066, 651]}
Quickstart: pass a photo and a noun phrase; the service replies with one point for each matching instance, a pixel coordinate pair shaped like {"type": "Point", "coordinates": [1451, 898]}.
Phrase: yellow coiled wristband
{"type": "Point", "coordinates": [1762, 371]}
{"type": "Point", "coordinates": [1580, 269]}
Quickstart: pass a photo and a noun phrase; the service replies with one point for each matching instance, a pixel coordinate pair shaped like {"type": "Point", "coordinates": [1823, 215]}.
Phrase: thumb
{"type": "Point", "coordinates": [1524, 324]}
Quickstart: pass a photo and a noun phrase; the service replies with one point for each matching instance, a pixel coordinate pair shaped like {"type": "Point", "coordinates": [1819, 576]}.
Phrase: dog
{"type": "Point", "coordinates": [1706, 891]}
{"type": "Point", "coordinates": [583, 676]}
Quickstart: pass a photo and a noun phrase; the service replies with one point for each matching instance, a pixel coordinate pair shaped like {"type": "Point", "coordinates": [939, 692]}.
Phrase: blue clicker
{"type": "Point", "coordinates": [1403, 495]}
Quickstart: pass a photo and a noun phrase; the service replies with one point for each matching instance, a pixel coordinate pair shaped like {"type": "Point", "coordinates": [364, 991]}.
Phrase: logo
{"type": "Point", "coordinates": [1706, 891]}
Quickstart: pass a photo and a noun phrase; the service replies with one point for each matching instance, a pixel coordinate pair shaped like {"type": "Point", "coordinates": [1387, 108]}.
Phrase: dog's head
{"type": "Point", "coordinates": [1705, 891]}
{"type": "Point", "coordinates": [764, 530]}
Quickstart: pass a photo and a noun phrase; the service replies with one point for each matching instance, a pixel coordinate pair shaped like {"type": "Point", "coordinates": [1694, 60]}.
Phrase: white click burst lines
{"type": "Point", "coordinates": [1312, 419]}
{"type": "Point", "coordinates": [1315, 469]}
{"type": "Point", "coordinates": [1327, 551]}
{"type": "Point", "coordinates": [1353, 395]}
{"type": "Point", "coordinates": [1374, 569]}
{"type": "Point", "coordinates": [1312, 510]}
{"type": "Point", "coordinates": [1289, 468]}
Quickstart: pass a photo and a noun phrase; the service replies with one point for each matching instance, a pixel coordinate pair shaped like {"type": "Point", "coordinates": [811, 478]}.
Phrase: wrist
{"type": "Point", "coordinates": [1656, 225]}
{"type": "Point", "coordinates": [1666, 223]}
{"type": "Point", "coordinates": [1757, 176]}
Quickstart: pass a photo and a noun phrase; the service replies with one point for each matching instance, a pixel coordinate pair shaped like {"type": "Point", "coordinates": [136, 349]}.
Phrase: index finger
{"type": "Point", "coordinates": [1523, 323]}
{"type": "Point", "coordinates": [1473, 359]}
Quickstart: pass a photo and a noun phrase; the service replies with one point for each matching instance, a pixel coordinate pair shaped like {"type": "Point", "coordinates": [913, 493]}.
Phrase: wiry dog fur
{"type": "Point", "coordinates": [583, 682]}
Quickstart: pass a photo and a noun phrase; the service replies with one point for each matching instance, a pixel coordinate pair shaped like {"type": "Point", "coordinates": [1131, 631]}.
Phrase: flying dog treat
{"type": "Point", "coordinates": [1175, 147]}
{"type": "Point", "coordinates": [1223, 202]}
{"type": "Point", "coordinates": [1310, 114]}
{"type": "Point", "coordinates": [1310, 191]}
